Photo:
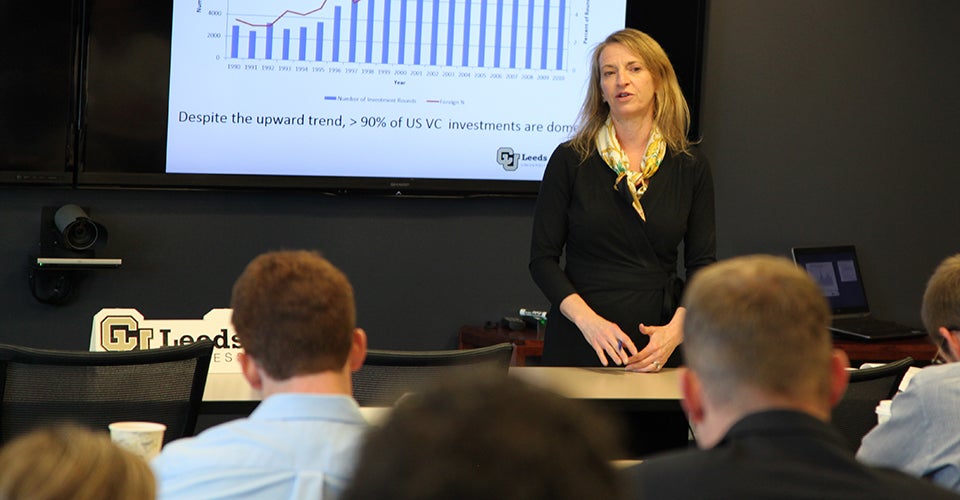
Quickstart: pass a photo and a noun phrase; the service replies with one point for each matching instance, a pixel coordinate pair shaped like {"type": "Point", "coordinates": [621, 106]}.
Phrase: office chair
{"type": "Point", "coordinates": [856, 413]}
{"type": "Point", "coordinates": [386, 376]}
{"type": "Point", "coordinates": [41, 387]}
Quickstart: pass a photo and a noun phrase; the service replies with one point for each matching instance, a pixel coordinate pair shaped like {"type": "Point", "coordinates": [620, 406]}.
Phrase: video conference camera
{"type": "Point", "coordinates": [68, 241]}
{"type": "Point", "coordinates": [78, 232]}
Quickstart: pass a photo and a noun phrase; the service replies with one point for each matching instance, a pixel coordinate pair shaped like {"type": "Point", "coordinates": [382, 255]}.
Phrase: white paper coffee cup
{"type": "Point", "coordinates": [883, 411]}
{"type": "Point", "coordinates": [141, 438]}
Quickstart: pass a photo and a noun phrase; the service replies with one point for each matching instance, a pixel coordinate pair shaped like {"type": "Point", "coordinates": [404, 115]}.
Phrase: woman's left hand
{"type": "Point", "coordinates": [663, 341]}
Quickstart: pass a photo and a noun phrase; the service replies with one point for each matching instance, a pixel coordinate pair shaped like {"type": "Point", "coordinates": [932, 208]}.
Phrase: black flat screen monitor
{"type": "Point", "coordinates": [37, 92]}
{"type": "Point", "coordinates": [401, 96]}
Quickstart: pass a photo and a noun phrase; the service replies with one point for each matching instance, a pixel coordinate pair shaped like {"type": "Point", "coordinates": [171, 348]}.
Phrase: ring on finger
{"type": "Point", "coordinates": [656, 365]}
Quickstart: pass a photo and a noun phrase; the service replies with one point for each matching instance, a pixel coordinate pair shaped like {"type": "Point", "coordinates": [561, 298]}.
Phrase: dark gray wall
{"type": "Point", "coordinates": [420, 267]}
{"type": "Point", "coordinates": [834, 121]}
{"type": "Point", "coordinates": [826, 121]}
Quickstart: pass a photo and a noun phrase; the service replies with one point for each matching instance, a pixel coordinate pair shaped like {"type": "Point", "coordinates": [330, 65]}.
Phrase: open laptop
{"type": "Point", "coordinates": [837, 270]}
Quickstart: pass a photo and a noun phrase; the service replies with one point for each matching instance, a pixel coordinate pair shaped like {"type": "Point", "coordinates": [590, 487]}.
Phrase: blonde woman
{"type": "Point", "coordinates": [72, 463]}
{"type": "Point", "coordinates": [617, 201]}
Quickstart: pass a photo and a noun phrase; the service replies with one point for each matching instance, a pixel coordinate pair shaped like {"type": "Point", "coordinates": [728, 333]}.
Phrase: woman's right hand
{"type": "Point", "coordinates": [605, 337]}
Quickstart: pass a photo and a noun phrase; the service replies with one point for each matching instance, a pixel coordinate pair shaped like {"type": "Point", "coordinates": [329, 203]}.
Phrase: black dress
{"type": "Point", "coordinates": [624, 268]}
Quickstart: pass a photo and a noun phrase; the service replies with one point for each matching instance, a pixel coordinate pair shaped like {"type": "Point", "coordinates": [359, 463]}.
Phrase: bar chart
{"type": "Point", "coordinates": [465, 89]}
{"type": "Point", "coordinates": [505, 34]}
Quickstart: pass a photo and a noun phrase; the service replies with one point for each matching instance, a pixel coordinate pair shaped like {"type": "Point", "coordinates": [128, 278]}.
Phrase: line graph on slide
{"type": "Point", "coordinates": [290, 12]}
{"type": "Point", "coordinates": [503, 34]}
{"type": "Point", "coordinates": [338, 87]}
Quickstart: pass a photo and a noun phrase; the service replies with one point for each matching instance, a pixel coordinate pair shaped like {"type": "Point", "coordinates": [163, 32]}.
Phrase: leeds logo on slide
{"type": "Point", "coordinates": [507, 158]}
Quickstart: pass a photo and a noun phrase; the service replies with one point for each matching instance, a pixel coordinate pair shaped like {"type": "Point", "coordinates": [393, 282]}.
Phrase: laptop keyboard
{"type": "Point", "coordinates": [873, 329]}
{"type": "Point", "coordinates": [866, 324]}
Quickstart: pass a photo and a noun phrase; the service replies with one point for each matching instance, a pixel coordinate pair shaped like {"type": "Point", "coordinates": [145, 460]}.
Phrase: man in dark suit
{"type": "Point", "coordinates": [762, 378]}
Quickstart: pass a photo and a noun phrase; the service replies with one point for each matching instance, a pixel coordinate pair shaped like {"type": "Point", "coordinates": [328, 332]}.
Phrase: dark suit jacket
{"type": "Point", "coordinates": [775, 454]}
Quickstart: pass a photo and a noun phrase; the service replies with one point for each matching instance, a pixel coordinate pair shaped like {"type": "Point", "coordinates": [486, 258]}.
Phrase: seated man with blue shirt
{"type": "Point", "coordinates": [761, 379]}
{"type": "Point", "coordinates": [294, 313]}
{"type": "Point", "coordinates": [922, 435]}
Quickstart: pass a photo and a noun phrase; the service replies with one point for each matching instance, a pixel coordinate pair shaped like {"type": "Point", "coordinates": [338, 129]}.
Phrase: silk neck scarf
{"type": "Point", "coordinates": [630, 184]}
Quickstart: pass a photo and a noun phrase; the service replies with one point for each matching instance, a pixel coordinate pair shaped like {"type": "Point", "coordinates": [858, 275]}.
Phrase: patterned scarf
{"type": "Point", "coordinates": [631, 185]}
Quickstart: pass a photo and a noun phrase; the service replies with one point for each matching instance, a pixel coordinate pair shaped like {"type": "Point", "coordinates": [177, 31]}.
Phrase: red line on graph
{"type": "Point", "coordinates": [288, 11]}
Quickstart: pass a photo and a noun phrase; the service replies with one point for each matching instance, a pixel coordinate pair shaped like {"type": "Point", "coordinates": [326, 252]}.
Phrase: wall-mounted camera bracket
{"type": "Point", "coordinates": [68, 239]}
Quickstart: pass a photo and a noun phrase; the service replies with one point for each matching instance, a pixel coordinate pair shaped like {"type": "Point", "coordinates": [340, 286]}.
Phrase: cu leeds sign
{"type": "Point", "coordinates": [128, 330]}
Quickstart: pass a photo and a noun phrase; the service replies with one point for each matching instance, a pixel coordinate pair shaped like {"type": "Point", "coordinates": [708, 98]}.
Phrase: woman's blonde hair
{"type": "Point", "coordinates": [70, 462]}
{"type": "Point", "coordinates": [671, 113]}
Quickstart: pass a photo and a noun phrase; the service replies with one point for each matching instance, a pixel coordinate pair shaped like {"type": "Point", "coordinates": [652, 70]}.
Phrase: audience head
{"type": "Point", "coordinates": [72, 463]}
{"type": "Point", "coordinates": [488, 438]}
{"type": "Point", "coordinates": [756, 336]}
{"type": "Point", "coordinates": [671, 113]}
{"type": "Point", "coordinates": [940, 310]}
{"type": "Point", "coordinates": [294, 313]}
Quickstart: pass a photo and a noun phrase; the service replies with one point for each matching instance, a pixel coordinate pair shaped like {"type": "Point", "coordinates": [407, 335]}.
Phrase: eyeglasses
{"type": "Point", "coordinates": [943, 354]}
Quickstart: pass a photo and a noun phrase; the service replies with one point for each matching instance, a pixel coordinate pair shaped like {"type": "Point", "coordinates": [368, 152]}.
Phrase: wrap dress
{"type": "Point", "coordinates": [587, 239]}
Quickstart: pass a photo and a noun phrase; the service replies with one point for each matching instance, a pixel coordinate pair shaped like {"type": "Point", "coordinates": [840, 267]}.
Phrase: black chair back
{"type": "Point", "coordinates": [856, 413]}
{"type": "Point", "coordinates": [386, 376]}
{"type": "Point", "coordinates": [40, 387]}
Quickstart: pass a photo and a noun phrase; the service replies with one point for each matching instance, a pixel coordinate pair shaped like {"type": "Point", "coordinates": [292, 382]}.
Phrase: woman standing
{"type": "Point", "coordinates": [618, 199]}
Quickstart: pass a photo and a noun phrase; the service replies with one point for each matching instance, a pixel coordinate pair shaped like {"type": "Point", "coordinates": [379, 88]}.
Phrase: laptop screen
{"type": "Point", "coordinates": [837, 271]}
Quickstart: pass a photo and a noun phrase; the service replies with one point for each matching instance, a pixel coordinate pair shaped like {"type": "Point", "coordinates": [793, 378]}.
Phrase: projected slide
{"type": "Point", "coordinates": [458, 89]}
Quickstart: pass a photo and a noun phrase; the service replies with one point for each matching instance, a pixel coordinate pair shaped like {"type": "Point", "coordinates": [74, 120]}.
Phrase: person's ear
{"type": "Point", "coordinates": [692, 391]}
{"type": "Point", "coordinates": [950, 343]}
{"type": "Point", "coordinates": [839, 376]}
{"type": "Point", "coordinates": [358, 349]}
{"type": "Point", "coordinates": [250, 370]}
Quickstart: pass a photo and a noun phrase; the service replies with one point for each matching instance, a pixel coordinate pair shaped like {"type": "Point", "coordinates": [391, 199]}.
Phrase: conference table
{"type": "Point", "coordinates": [641, 391]}
{"type": "Point", "coordinates": [528, 345]}
{"type": "Point", "coordinates": [647, 405]}
{"type": "Point", "coordinates": [646, 390]}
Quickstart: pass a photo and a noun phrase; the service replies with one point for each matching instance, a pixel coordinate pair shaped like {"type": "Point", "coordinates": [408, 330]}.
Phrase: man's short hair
{"type": "Point", "coordinates": [294, 313]}
{"type": "Point", "coordinates": [760, 322]}
{"type": "Point", "coordinates": [941, 299]}
{"type": "Point", "coordinates": [489, 437]}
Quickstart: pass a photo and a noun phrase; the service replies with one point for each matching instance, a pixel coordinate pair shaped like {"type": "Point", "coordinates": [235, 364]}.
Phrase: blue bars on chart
{"type": "Point", "coordinates": [353, 32]}
{"type": "Point", "coordinates": [522, 34]}
{"type": "Point", "coordinates": [319, 53]}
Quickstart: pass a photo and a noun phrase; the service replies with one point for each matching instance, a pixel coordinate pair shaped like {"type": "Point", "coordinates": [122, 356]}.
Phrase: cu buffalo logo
{"type": "Point", "coordinates": [507, 158]}
{"type": "Point", "coordinates": [123, 333]}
